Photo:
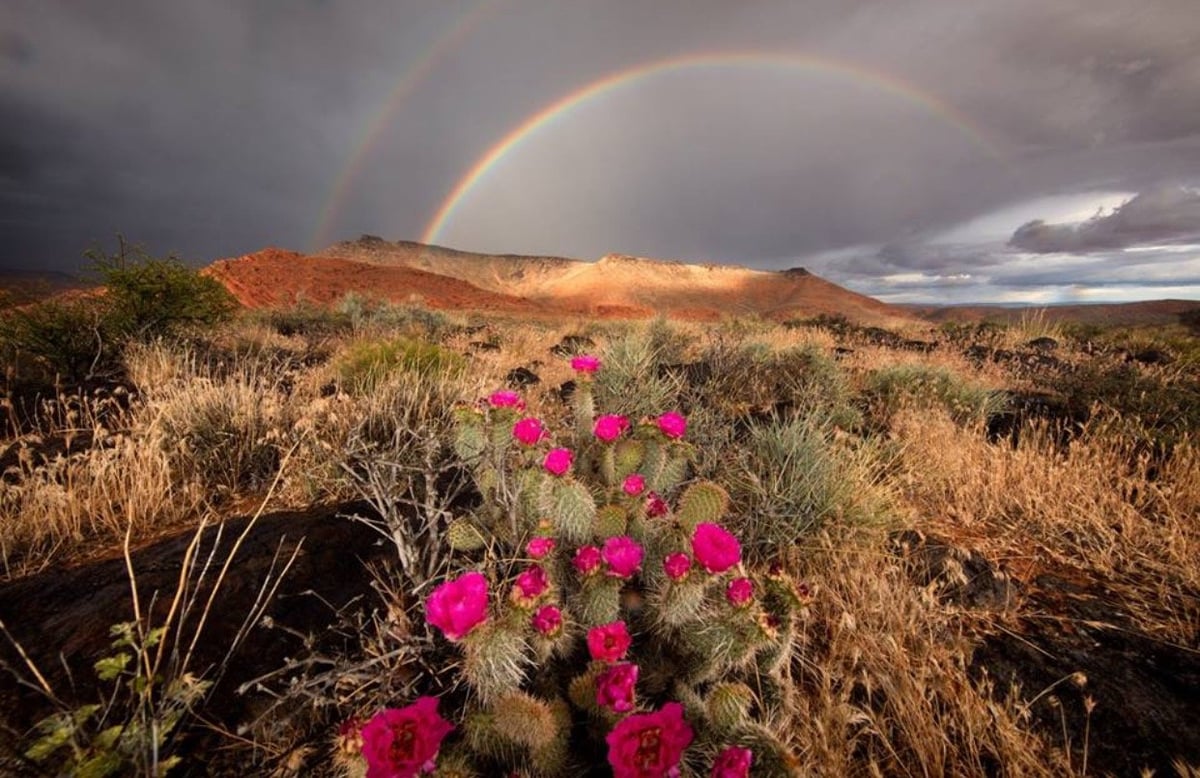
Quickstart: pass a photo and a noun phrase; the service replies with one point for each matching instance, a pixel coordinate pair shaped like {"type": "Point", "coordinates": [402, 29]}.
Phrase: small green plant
{"type": "Point", "coordinates": [364, 365]}
{"type": "Point", "coordinates": [99, 740]}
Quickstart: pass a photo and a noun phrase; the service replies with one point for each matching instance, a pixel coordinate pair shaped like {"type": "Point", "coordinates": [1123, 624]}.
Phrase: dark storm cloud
{"type": "Point", "coordinates": [1165, 215]}
{"type": "Point", "coordinates": [214, 128]}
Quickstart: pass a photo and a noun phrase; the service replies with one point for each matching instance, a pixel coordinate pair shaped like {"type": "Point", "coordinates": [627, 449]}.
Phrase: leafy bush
{"type": "Point", "coordinates": [63, 338]}
{"type": "Point", "coordinates": [149, 297]}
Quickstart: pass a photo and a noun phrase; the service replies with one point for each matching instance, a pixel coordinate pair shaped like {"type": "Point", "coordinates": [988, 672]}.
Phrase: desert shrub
{"type": "Point", "coordinates": [633, 381]}
{"type": "Point", "coordinates": [363, 365]}
{"type": "Point", "coordinates": [149, 297]}
{"type": "Point", "coordinates": [790, 478]}
{"type": "Point", "coordinates": [305, 319]}
{"type": "Point", "coordinates": [58, 338]}
{"type": "Point", "coordinates": [890, 388]}
{"type": "Point", "coordinates": [224, 433]}
{"type": "Point", "coordinates": [1156, 408]}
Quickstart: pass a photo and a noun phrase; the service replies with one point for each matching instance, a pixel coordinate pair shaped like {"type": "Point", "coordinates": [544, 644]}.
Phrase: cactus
{"type": "Point", "coordinates": [702, 502]}
{"type": "Point", "coordinates": [599, 601]}
{"type": "Point", "coordinates": [463, 535]}
{"type": "Point", "coordinates": [679, 603]}
{"type": "Point", "coordinates": [470, 441]}
{"type": "Point", "coordinates": [495, 660]}
{"type": "Point", "coordinates": [628, 455]}
{"type": "Point", "coordinates": [673, 473]}
{"type": "Point", "coordinates": [611, 521]}
{"type": "Point", "coordinates": [728, 705]}
{"type": "Point", "coordinates": [571, 507]}
{"type": "Point", "coordinates": [525, 720]}
{"type": "Point", "coordinates": [583, 407]}
{"type": "Point", "coordinates": [455, 766]}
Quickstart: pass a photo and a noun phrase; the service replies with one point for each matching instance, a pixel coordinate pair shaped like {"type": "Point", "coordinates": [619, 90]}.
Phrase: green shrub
{"type": "Point", "coordinates": [63, 339]}
{"type": "Point", "coordinates": [148, 297]}
{"type": "Point", "coordinates": [632, 381]}
{"type": "Point", "coordinates": [788, 480]}
{"type": "Point", "coordinates": [923, 386]}
{"type": "Point", "coordinates": [364, 365]}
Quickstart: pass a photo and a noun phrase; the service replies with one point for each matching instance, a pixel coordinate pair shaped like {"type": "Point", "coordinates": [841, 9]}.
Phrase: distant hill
{"type": "Point", "coordinates": [1149, 312]}
{"type": "Point", "coordinates": [20, 287]}
{"type": "Point", "coordinates": [624, 286]}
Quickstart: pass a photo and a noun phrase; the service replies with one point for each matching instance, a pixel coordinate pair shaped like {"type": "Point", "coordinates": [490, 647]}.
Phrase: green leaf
{"type": "Point", "coordinates": [110, 667]}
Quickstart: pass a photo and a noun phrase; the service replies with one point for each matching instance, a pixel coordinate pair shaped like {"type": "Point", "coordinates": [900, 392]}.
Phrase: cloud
{"type": "Point", "coordinates": [1169, 214]}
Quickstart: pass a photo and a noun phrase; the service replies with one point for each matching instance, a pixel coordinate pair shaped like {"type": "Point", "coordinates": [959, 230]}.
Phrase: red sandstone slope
{"type": "Point", "coordinates": [276, 278]}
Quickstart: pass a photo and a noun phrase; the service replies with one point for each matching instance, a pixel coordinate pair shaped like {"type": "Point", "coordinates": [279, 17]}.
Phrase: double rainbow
{"type": "Point", "coordinates": [806, 64]}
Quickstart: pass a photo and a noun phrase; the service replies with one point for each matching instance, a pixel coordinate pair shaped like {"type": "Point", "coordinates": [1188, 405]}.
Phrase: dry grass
{"type": "Point", "coordinates": [1098, 506]}
{"type": "Point", "coordinates": [884, 687]}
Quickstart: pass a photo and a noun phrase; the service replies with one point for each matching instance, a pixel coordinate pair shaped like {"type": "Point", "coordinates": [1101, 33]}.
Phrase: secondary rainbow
{"type": "Point", "coordinates": [412, 77]}
{"type": "Point", "coordinates": [607, 84]}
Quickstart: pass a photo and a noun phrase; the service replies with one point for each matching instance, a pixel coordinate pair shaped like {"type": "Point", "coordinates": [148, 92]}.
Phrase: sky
{"type": "Point", "coordinates": [924, 151]}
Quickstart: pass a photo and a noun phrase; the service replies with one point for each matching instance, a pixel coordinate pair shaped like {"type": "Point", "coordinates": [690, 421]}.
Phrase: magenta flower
{"type": "Point", "coordinates": [610, 427]}
{"type": "Point", "coordinates": [458, 606]}
{"type": "Point", "coordinates": [608, 642]}
{"type": "Point", "coordinates": [733, 762]}
{"type": "Point", "coordinates": [587, 560]}
{"type": "Point", "coordinates": [615, 687]}
{"type": "Point", "coordinates": [623, 555]}
{"type": "Point", "coordinates": [634, 484]}
{"type": "Point", "coordinates": [656, 506]}
{"type": "Point", "coordinates": [714, 548]}
{"type": "Point", "coordinates": [558, 461]}
{"type": "Point", "coordinates": [529, 431]}
{"type": "Point", "coordinates": [649, 745]}
{"type": "Point", "coordinates": [585, 363]}
{"type": "Point", "coordinates": [672, 425]}
{"type": "Point", "coordinates": [506, 399]}
{"type": "Point", "coordinates": [539, 546]}
{"type": "Point", "coordinates": [677, 565]}
{"type": "Point", "coordinates": [403, 742]}
{"type": "Point", "coordinates": [548, 620]}
{"type": "Point", "coordinates": [740, 592]}
{"type": "Point", "coordinates": [530, 584]}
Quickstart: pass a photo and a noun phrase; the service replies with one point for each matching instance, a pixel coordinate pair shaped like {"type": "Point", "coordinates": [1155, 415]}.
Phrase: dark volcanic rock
{"type": "Point", "coordinates": [522, 376]}
{"type": "Point", "coordinates": [1042, 344]}
{"type": "Point", "coordinates": [964, 577]}
{"type": "Point", "coordinates": [573, 345]}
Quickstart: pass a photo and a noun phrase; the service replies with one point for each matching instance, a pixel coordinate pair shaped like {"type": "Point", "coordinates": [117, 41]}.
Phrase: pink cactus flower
{"type": "Point", "coordinates": [672, 425]}
{"type": "Point", "coordinates": [733, 762]}
{"type": "Point", "coordinates": [714, 548]}
{"type": "Point", "coordinates": [404, 742]}
{"type": "Point", "coordinates": [585, 363]}
{"type": "Point", "coordinates": [610, 427]}
{"type": "Point", "coordinates": [459, 605]}
{"type": "Point", "coordinates": [506, 399]}
{"type": "Point", "coordinates": [677, 565]}
{"type": "Point", "coordinates": [634, 484]}
{"type": "Point", "coordinates": [587, 560]}
{"type": "Point", "coordinates": [529, 431]}
{"type": "Point", "coordinates": [615, 687]}
{"type": "Point", "coordinates": [539, 547]}
{"type": "Point", "coordinates": [740, 592]}
{"type": "Point", "coordinates": [656, 506]}
{"type": "Point", "coordinates": [548, 620]}
{"type": "Point", "coordinates": [608, 642]}
{"type": "Point", "coordinates": [623, 555]}
{"type": "Point", "coordinates": [531, 584]}
{"type": "Point", "coordinates": [649, 745]}
{"type": "Point", "coordinates": [558, 461]}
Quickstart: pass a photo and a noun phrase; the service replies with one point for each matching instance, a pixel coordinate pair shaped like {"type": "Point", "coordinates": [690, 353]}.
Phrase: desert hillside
{"type": "Point", "coordinates": [616, 286]}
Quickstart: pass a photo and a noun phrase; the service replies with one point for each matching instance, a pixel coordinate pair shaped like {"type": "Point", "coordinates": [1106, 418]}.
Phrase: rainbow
{"type": "Point", "coordinates": [409, 80]}
{"type": "Point", "coordinates": [623, 78]}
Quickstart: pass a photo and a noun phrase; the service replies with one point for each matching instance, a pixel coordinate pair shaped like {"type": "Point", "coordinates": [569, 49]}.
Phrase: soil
{"type": "Point", "coordinates": [62, 617]}
{"type": "Point", "coordinates": [1146, 691]}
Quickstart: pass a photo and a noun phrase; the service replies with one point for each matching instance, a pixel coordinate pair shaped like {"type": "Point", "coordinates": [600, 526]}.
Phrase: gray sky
{"type": "Point", "coordinates": [916, 150]}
